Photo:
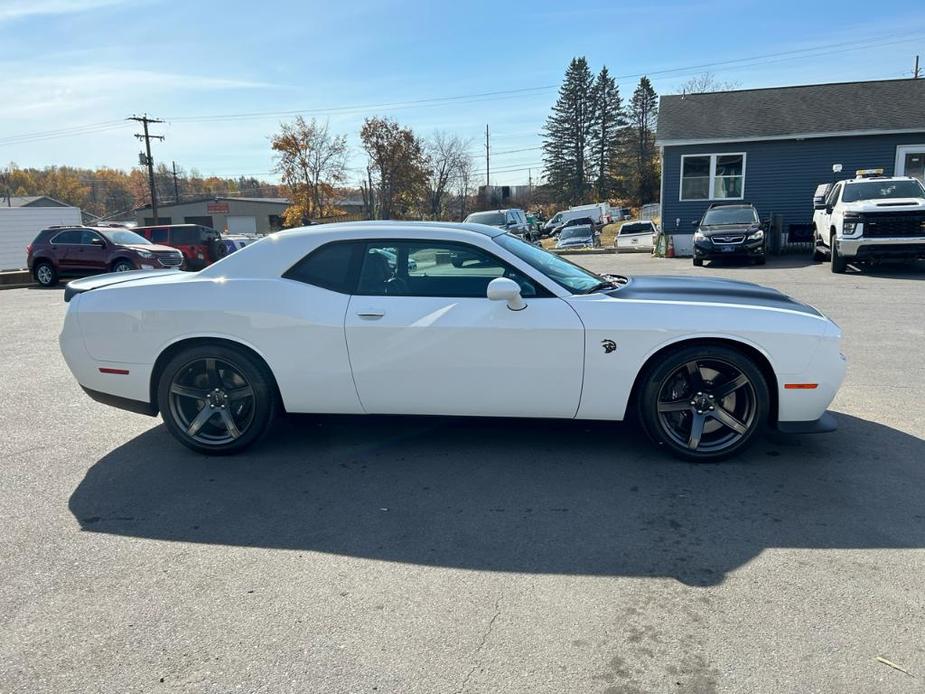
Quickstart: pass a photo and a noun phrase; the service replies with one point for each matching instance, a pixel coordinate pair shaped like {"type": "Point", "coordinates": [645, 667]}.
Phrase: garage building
{"type": "Point", "coordinates": [234, 215]}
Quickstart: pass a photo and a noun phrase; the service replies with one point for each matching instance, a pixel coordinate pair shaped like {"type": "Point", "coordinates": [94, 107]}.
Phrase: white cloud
{"type": "Point", "coordinates": [17, 9]}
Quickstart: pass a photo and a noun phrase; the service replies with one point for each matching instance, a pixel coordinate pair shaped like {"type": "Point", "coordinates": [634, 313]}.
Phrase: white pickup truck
{"type": "Point", "coordinates": [870, 218]}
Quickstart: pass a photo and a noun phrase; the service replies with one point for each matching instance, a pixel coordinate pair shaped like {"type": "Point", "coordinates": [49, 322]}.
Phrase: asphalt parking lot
{"type": "Point", "coordinates": [395, 554]}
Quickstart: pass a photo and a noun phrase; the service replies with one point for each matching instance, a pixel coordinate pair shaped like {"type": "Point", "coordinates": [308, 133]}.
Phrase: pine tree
{"type": "Point", "coordinates": [605, 134]}
{"type": "Point", "coordinates": [640, 143]}
{"type": "Point", "coordinates": [567, 133]}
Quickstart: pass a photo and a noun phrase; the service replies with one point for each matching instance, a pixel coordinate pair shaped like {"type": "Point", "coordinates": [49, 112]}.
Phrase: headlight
{"type": "Point", "coordinates": [145, 254]}
{"type": "Point", "coordinates": [850, 225]}
{"type": "Point", "coordinates": [699, 236]}
{"type": "Point", "coordinates": [756, 235]}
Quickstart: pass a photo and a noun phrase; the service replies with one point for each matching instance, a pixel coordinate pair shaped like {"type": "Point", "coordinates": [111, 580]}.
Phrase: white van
{"type": "Point", "coordinates": [563, 216]}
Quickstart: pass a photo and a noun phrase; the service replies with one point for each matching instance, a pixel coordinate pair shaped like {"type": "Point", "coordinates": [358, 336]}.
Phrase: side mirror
{"type": "Point", "coordinates": [818, 204]}
{"type": "Point", "coordinates": [828, 209]}
{"type": "Point", "coordinates": [505, 289]}
{"type": "Point", "coordinates": [695, 223]}
{"type": "Point", "coordinates": [97, 242]}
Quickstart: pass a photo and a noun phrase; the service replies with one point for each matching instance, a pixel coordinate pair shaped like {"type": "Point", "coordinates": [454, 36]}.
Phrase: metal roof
{"type": "Point", "coordinates": [815, 110]}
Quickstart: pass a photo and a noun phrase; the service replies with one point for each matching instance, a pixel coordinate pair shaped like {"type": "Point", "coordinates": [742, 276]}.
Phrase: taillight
{"type": "Point", "coordinates": [29, 249]}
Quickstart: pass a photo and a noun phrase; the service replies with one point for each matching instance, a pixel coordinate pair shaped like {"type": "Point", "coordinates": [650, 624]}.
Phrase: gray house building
{"type": "Point", "coordinates": [772, 147]}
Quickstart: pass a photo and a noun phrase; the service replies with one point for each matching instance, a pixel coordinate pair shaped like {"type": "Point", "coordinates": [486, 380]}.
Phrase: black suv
{"type": "Point", "coordinates": [730, 231]}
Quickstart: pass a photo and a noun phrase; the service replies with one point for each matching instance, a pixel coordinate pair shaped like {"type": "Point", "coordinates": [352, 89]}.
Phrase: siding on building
{"type": "Point", "coordinates": [197, 212]}
{"type": "Point", "coordinates": [780, 175]}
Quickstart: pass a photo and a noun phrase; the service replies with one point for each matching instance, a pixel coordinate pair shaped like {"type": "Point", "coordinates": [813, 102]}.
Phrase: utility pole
{"type": "Point", "coordinates": [915, 72]}
{"type": "Point", "coordinates": [148, 159]}
{"type": "Point", "coordinates": [487, 163]}
{"type": "Point", "coordinates": [176, 187]}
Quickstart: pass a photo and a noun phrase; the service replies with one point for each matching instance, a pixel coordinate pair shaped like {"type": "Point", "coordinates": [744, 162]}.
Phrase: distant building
{"type": "Point", "coordinates": [236, 215]}
{"type": "Point", "coordinates": [30, 201]}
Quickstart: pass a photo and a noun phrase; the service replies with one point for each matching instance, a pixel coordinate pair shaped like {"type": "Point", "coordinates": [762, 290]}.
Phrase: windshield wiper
{"type": "Point", "coordinates": [610, 282]}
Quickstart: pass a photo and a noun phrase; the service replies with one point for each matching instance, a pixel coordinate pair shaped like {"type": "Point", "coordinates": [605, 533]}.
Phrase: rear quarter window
{"type": "Point", "coordinates": [333, 266]}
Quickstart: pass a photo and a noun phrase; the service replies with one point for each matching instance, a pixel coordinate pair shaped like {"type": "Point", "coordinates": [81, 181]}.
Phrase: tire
{"type": "Point", "coordinates": [818, 255]}
{"type": "Point", "coordinates": [218, 250]}
{"type": "Point", "coordinates": [45, 274]}
{"type": "Point", "coordinates": [727, 423]}
{"type": "Point", "coordinates": [122, 266]}
{"type": "Point", "coordinates": [698, 262]}
{"type": "Point", "coordinates": [839, 264]}
{"type": "Point", "coordinates": [231, 384]}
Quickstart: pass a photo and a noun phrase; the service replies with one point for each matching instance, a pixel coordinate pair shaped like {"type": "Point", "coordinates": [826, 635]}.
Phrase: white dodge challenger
{"type": "Point", "coordinates": [447, 319]}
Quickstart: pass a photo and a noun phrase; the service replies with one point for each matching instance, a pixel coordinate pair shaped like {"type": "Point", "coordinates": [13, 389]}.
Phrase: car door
{"type": "Point", "coordinates": [89, 254]}
{"type": "Point", "coordinates": [61, 244]}
{"type": "Point", "coordinates": [826, 215]}
{"type": "Point", "coordinates": [423, 338]}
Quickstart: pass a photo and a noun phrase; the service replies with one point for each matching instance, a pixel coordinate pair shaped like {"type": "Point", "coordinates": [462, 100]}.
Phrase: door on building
{"type": "Point", "coordinates": [241, 224]}
{"type": "Point", "coordinates": [910, 161]}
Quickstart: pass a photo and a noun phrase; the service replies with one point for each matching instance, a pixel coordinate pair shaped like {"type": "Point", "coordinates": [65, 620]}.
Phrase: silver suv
{"type": "Point", "coordinates": [512, 219]}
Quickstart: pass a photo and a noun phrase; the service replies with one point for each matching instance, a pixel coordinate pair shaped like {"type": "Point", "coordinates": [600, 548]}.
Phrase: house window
{"type": "Point", "coordinates": [713, 176]}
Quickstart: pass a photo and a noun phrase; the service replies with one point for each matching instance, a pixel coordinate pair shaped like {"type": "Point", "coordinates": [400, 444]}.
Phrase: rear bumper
{"type": "Point", "coordinates": [136, 406]}
{"type": "Point", "coordinates": [824, 425]}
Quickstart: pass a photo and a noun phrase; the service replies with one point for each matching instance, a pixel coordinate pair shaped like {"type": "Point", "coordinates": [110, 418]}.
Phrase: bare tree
{"type": "Point", "coordinates": [707, 82]}
{"type": "Point", "coordinates": [447, 155]}
{"type": "Point", "coordinates": [312, 162]}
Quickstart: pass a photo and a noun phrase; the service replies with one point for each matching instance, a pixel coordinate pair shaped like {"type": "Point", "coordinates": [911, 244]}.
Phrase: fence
{"type": "Point", "coordinates": [651, 211]}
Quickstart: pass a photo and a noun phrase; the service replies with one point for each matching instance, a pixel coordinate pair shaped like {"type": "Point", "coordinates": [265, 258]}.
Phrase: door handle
{"type": "Point", "coordinates": [371, 315]}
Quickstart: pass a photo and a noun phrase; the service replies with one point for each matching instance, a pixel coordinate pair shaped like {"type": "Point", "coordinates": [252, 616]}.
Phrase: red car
{"type": "Point", "coordinates": [201, 246]}
{"type": "Point", "coordinates": [74, 251]}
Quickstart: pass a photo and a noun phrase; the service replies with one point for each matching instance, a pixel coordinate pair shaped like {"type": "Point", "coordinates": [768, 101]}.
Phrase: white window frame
{"type": "Point", "coordinates": [711, 193]}
{"type": "Point", "coordinates": [901, 152]}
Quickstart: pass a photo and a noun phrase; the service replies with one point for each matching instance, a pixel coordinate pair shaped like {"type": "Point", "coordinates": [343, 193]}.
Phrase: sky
{"type": "Point", "coordinates": [223, 75]}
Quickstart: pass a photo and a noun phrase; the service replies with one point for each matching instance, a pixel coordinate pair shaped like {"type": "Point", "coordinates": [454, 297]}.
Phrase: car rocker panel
{"type": "Point", "coordinates": [151, 340]}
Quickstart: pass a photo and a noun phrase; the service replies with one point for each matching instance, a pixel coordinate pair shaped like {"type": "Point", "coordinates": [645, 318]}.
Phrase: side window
{"type": "Point", "coordinates": [434, 269]}
{"type": "Point", "coordinates": [70, 236]}
{"type": "Point", "coordinates": [833, 196]}
{"type": "Point", "coordinates": [87, 236]}
{"type": "Point", "coordinates": [331, 267]}
{"type": "Point", "coordinates": [158, 236]}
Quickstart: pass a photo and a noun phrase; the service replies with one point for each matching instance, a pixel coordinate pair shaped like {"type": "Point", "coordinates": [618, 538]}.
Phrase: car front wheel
{"type": "Point", "coordinates": [216, 399]}
{"type": "Point", "coordinates": [704, 403]}
{"type": "Point", "coordinates": [123, 266]}
{"type": "Point", "coordinates": [46, 275]}
{"type": "Point", "coordinates": [839, 264]}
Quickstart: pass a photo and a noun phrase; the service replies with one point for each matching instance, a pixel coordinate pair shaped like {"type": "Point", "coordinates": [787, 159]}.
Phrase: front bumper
{"type": "Point", "coordinates": [708, 249]}
{"type": "Point", "coordinates": [825, 424]}
{"type": "Point", "coordinates": [901, 247]}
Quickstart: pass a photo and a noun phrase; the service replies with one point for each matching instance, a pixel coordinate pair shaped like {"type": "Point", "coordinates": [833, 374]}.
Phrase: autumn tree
{"type": "Point", "coordinates": [312, 162]}
{"type": "Point", "coordinates": [706, 82]}
{"type": "Point", "coordinates": [397, 166]}
{"type": "Point", "coordinates": [447, 159]}
{"type": "Point", "coordinates": [567, 134]}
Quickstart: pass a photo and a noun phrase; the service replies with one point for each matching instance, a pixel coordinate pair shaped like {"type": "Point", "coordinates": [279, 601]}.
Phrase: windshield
{"type": "Point", "coordinates": [730, 215]}
{"type": "Point", "coordinates": [575, 232]}
{"type": "Point", "coordinates": [882, 190]}
{"type": "Point", "coordinates": [124, 237]}
{"type": "Point", "coordinates": [566, 274]}
{"type": "Point", "coordinates": [635, 228]}
{"type": "Point", "coordinates": [494, 219]}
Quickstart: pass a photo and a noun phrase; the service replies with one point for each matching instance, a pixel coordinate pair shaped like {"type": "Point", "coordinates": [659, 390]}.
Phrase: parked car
{"type": "Point", "coordinates": [870, 218]}
{"type": "Point", "coordinates": [200, 245]}
{"type": "Point", "coordinates": [449, 341]}
{"type": "Point", "coordinates": [75, 251]}
{"type": "Point", "coordinates": [637, 234]}
{"type": "Point", "coordinates": [560, 218]}
{"type": "Point", "coordinates": [600, 212]}
{"type": "Point", "coordinates": [730, 231]}
{"type": "Point", "coordinates": [513, 220]}
{"type": "Point", "coordinates": [579, 233]}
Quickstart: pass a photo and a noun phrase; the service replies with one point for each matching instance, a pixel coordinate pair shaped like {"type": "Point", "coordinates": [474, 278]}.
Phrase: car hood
{"type": "Point", "coordinates": [707, 290]}
{"type": "Point", "coordinates": [709, 230]}
{"type": "Point", "coordinates": [884, 205]}
{"type": "Point", "coordinates": [575, 241]}
{"type": "Point", "coordinates": [150, 247]}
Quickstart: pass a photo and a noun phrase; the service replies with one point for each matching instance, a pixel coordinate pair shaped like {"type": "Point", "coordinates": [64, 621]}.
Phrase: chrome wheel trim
{"type": "Point", "coordinates": [211, 401]}
{"type": "Point", "coordinates": [122, 267]}
{"type": "Point", "coordinates": [44, 274]}
{"type": "Point", "coordinates": [707, 405]}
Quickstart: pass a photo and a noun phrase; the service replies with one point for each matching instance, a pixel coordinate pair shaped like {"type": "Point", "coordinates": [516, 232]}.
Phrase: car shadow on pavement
{"type": "Point", "coordinates": [515, 495]}
{"type": "Point", "coordinates": [893, 271]}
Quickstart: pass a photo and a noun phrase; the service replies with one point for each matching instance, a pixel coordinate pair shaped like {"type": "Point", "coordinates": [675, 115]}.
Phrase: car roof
{"type": "Point", "coordinates": [864, 179]}
{"type": "Point", "coordinates": [714, 205]}
{"type": "Point", "coordinates": [386, 228]}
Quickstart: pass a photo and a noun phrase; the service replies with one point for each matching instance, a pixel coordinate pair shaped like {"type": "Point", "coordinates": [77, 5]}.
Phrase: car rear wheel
{"type": "Point", "coordinates": [45, 274]}
{"type": "Point", "coordinates": [122, 266]}
{"type": "Point", "coordinates": [216, 399]}
{"type": "Point", "coordinates": [704, 403]}
{"type": "Point", "coordinates": [698, 262]}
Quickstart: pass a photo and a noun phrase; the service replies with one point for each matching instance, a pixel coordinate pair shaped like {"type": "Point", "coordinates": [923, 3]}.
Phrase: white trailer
{"type": "Point", "coordinates": [600, 212]}
{"type": "Point", "coordinates": [20, 225]}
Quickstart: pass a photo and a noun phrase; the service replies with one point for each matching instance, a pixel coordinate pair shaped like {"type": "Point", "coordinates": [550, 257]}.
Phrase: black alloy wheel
{"type": "Point", "coordinates": [216, 399]}
{"type": "Point", "coordinates": [704, 403]}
